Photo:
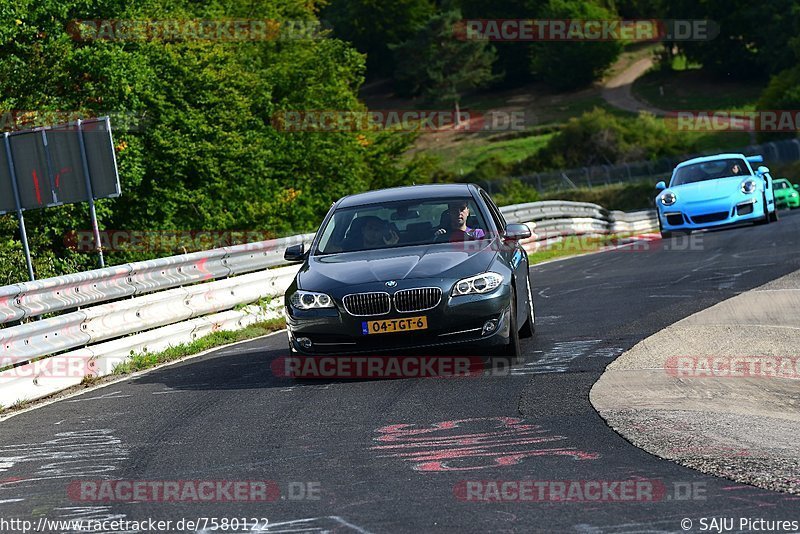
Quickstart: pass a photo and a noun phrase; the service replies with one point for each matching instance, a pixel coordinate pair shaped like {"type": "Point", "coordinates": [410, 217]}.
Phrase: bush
{"type": "Point", "coordinates": [490, 168]}
{"type": "Point", "coordinates": [599, 138]}
{"type": "Point", "coordinates": [513, 191]}
{"type": "Point", "coordinates": [783, 92]}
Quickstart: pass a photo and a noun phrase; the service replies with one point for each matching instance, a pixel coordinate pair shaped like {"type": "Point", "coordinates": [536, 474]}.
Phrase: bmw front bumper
{"type": "Point", "coordinates": [454, 321]}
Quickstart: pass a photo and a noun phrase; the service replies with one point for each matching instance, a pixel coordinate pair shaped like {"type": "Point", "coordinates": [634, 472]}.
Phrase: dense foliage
{"type": "Point", "coordinates": [205, 155]}
{"type": "Point", "coordinates": [435, 64]}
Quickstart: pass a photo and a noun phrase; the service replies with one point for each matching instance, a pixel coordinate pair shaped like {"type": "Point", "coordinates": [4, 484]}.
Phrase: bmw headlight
{"type": "Point", "coordinates": [668, 198]}
{"type": "Point", "coordinates": [793, 194]}
{"type": "Point", "coordinates": [477, 285]}
{"type": "Point", "coordinates": [308, 300]}
{"type": "Point", "coordinates": [749, 186]}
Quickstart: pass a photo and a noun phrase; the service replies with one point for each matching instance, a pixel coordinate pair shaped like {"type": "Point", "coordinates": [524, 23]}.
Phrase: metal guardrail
{"type": "Point", "coordinates": [31, 299]}
{"type": "Point", "coordinates": [106, 314]}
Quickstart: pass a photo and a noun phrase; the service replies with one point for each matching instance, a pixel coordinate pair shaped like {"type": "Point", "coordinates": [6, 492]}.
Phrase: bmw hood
{"type": "Point", "coordinates": [447, 260]}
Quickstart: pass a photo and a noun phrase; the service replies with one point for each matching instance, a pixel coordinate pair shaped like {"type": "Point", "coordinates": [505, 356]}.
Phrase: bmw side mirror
{"type": "Point", "coordinates": [516, 231]}
{"type": "Point", "coordinates": [796, 186]}
{"type": "Point", "coordinates": [295, 253]}
{"type": "Point", "coordinates": [661, 185]}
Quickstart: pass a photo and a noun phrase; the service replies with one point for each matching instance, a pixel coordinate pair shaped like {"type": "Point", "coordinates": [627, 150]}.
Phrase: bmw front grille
{"type": "Point", "coordinates": [363, 304]}
{"type": "Point", "coordinates": [419, 299]}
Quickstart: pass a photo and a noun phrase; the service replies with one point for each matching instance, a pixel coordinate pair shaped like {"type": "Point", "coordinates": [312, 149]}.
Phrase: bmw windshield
{"type": "Point", "coordinates": [402, 223]}
{"type": "Point", "coordinates": [710, 170]}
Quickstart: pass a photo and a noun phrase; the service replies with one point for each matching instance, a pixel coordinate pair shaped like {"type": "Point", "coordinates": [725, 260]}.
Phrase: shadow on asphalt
{"type": "Point", "coordinates": [254, 365]}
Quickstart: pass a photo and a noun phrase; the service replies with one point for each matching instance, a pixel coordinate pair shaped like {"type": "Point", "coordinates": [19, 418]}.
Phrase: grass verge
{"type": "Point", "coordinates": [146, 360]}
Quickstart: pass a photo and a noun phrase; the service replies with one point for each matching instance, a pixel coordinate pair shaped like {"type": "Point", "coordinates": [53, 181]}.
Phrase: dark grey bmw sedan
{"type": "Point", "coordinates": [412, 267]}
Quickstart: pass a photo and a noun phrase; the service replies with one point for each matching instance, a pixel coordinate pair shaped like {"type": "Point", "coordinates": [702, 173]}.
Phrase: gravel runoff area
{"type": "Point", "coordinates": [718, 391]}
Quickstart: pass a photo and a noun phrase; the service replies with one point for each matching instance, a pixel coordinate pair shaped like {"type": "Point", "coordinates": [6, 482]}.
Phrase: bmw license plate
{"type": "Point", "coordinates": [386, 326]}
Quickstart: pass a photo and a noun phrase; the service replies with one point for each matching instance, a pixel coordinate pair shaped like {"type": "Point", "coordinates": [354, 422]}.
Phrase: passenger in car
{"type": "Point", "coordinates": [370, 232]}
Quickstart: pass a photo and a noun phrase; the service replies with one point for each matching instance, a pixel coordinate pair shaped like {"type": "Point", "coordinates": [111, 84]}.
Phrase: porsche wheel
{"type": "Point", "coordinates": [773, 217]}
{"type": "Point", "coordinates": [767, 217]}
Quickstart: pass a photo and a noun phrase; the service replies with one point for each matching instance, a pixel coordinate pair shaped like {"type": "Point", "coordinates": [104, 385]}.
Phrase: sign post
{"type": "Point", "coordinates": [22, 233]}
{"type": "Point", "coordinates": [90, 191]}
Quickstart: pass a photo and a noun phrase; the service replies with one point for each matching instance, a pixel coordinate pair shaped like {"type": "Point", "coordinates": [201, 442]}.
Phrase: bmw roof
{"type": "Point", "coordinates": [411, 192]}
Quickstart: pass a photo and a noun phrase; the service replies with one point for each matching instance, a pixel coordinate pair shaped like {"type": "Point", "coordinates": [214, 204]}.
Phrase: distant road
{"type": "Point", "coordinates": [617, 90]}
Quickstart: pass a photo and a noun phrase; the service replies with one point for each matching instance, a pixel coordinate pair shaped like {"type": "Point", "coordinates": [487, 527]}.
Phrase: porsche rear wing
{"type": "Point", "coordinates": [755, 159]}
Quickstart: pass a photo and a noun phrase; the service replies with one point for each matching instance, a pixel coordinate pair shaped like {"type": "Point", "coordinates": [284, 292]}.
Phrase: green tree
{"type": "Point", "coordinates": [570, 65]}
{"type": "Point", "coordinates": [438, 65]}
{"type": "Point", "coordinates": [373, 25]}
{"type": "Point", "coordinates": [514, 58]}
{"type": "Point", "coordinates": [752, 38]}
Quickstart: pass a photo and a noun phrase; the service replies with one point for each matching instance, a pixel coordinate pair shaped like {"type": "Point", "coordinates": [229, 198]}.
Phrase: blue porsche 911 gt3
{"type": "Point", "coordinates": [715, 191]}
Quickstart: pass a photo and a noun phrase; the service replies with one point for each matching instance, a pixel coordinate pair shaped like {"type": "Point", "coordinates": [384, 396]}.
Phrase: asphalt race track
{"type": "Point", "coordinates": [225, 417]}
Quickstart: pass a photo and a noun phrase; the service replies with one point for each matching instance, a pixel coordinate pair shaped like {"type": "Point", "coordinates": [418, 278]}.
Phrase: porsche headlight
{"type": "Point", "coordinates": [308, 300]}
{"type": "Point", "coordinates": [668, 198]}
{"type": "Point", "coordinates": [477, 285]}
{"type": "Point", "coordinates": [749, 186]}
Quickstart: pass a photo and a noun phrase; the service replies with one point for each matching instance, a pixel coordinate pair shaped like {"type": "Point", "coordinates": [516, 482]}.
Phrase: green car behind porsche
{"type": "Point", "coordinates": [786, 194]}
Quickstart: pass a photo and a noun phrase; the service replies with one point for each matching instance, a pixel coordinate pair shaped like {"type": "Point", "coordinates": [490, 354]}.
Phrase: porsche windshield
{"type": "Point", "coordinates": [710, 170]}
{"type": "Point", "coordinates": [402, 223]}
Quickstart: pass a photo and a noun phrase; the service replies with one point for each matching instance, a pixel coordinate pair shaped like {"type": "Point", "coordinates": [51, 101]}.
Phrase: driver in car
{"type": "Point", "coordinates": [458, 230]}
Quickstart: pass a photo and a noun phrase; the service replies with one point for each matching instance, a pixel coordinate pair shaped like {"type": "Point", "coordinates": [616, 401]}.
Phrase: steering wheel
{"type": "Point", "coordinates": [441, 235]}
